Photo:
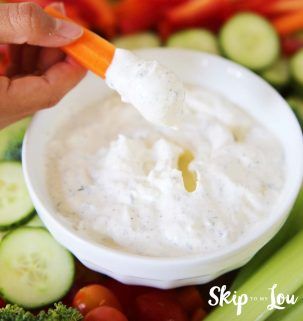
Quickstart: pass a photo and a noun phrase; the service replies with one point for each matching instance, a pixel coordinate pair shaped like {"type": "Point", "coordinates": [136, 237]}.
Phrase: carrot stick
{"type": "Point", "coordinates": [91, 51]}
{"type": "Point", "coordinates": [289, 23]}
{"type": "Point", "coordinates": [282, 7]}
{"type": "Point", "coordinates": [194, 9]}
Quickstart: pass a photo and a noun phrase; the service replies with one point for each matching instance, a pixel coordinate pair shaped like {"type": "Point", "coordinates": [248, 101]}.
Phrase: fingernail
{"type": "Point", "coordinates": [68, 30]}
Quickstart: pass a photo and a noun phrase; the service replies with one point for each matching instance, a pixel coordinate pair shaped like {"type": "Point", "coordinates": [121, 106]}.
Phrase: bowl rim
{"type": "Point", "coordinates": [218, 255]}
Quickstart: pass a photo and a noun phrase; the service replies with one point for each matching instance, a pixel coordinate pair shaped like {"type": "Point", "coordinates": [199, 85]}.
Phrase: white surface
{"type": "Point", "coordinates": [125, 189]}
{"type": "Point", "coordinates": [240, 86]}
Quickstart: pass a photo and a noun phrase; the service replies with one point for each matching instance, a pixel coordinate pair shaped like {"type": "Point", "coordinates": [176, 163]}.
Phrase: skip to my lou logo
{"type": "Point", "coordinates": [274, 299]}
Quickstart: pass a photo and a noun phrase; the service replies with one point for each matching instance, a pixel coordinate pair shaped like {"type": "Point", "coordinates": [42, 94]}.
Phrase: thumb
{"type": "Point", "coordinates": [28, 23]}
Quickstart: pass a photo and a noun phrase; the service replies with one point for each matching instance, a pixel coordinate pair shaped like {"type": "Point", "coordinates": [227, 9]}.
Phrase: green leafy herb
{"type": "Point", "coordinates": [60, 312]}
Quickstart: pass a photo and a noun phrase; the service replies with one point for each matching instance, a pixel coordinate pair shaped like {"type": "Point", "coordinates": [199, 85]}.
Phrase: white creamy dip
{"type": "Point", "coordinates": [115, 177]}
{"type": "Point", "coordinates": [130, 76]}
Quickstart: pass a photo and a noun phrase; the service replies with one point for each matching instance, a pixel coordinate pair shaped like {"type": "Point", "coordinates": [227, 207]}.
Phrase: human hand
{"type": "Point", "coordinates": [39, 74]}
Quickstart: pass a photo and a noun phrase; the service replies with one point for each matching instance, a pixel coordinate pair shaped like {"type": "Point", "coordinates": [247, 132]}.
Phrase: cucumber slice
{"type": "Point", "coordinates": [250, 40]}
{"type": "Point", "coordinates": [35, 270]}
{"type": "Point", "coordinates": [35, 222]}
{"type": "Point", "coordinates": [196, 39]}
{"type": "Point", "coordinates": [16, 207]}
{"type": "Point", "coordinates": [137, 41]}
{"type": "Point", "coordinates": [278, 74]}
{"type": "Point", "coordinates": [296, 103]}
{"type": "Point", "coordinates": [11, 139]}
{"type": "Point", "coordinates": [296, 68]}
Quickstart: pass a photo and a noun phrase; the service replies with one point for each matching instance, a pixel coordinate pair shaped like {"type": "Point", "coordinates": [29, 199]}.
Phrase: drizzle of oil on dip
{"type": "Point", "coordinates": [155, 191]}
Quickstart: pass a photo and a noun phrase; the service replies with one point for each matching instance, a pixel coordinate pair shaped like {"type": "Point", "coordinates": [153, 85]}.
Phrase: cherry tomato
{"type": "Point", "coordinates": [2, 303]}
{"type": "Point", "coordinates": [93, 296]}
{"type": "Point", "coordinates": [190, 298]}
{"type": "Point", "coordinates": [105, 313]}
{"type": "Point", "coordinates": [126, 294]}
{"type": "Point", "coordinates": [198, 315]}
{"type": "Point", "coordinates": [159, 306]}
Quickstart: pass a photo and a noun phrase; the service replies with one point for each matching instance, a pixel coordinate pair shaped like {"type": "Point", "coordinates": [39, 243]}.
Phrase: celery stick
{"type": "Point", "coordinates": [293, 224]}
{"type": "Point", "coordinates": [295, 314]}
{"type": "Point", "coordinates": [283, 269]}
{"type": "Point", "coordinates": [291, 312]}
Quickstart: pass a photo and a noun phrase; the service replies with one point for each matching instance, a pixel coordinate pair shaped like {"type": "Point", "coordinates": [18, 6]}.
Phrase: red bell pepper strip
{"type": "Point", "coordinates": [99, 14]}
{"type": "Point", "coordinates": [289, 23]}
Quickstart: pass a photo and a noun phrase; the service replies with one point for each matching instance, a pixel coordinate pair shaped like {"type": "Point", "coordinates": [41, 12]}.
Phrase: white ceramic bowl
{"type": "Point", "coordinates": [239, 85]}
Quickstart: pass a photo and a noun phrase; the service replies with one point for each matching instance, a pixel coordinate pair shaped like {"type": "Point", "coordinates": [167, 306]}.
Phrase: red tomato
{"type": "Point", "coordinates": [2, 303]}
{"type": "Point", "coordinates": [93, 296]}
{"type": "Point", "coordinates": [105, 314]}
{"type": "Point", "coordinates": [199, 315]}
{"type": "Point", "coordinates": [158, 306]}
{"type": "Point", "coordinates": [190, 298]}
{"type": "Point", "coordinates": [126, 294]}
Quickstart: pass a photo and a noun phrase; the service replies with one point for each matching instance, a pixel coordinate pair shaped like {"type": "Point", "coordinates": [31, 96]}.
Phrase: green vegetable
{"type": "Point", "coordinates": [292, 226]}
{"type": "Point", "coordinates": [278, 74]}
{"type": "Point", "coordinates": [35, 270]}
{"type": "Point", "coordinates": [196, 39]}
{"type": "Point", "coordinates": [35, 222]}
{"type": "Point", "coordinates": [137, 41]}
{"type": "Point", "coordinates": [250, 40]}
{"type": "Point", "coordinates": [16, 207]}
{"type": "Point", "coordinates": [59, 313]}
{"type": "Point", "coordinates": [291, 312]}
{"type": "Point", "coordinates": [296, 103]}
{"type": "Point", "coordinates": [11, 139]}
{"type": "Point", "coordinates": [283, 269]}
{"type": "Point", "coordinates": [296, 68]}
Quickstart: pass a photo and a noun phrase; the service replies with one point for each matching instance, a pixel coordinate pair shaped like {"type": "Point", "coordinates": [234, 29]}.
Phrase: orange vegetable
{"type": "Point", "coordinates": [195, 13]}
{"type": "Point", "coordinates": [289, 23]}
{"type": "Point", "coordinates": [136, 15]}
{"type": "Point", "coordinates": [195, 10]}
{"type": "Point", "coordinates": [91, 51]}
{"type": "Point", "coordinates": [282, 7]}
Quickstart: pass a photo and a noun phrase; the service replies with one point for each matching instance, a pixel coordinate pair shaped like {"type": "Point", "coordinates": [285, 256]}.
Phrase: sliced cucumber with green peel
{"type": "Point", "coordinates": [196, 39]}
{"type": "Point", "coordinates": [296, 68]}
{"type": "Point", "coordinates": [296, 103]}
{"type": "Point", "coordinates": [35, 222]}
{"type": "Point", "coordinates": [278, 74]}
{"type": "Point", "coordinates": [11, 139]}
{"type": "Point", "coordinates": [137, 41]}
{"type": "Point", "coordinates": [35, 270]}
{"type": "Point", "coordinates": [16, 207]}
{"type": "Point", "coordinates": [250, 40]}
